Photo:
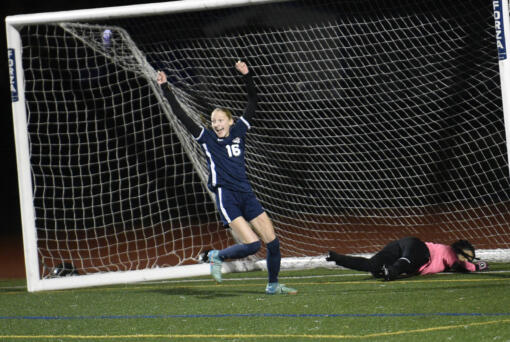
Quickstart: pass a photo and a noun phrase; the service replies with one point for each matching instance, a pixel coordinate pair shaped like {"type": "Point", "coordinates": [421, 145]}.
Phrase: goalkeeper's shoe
{"type": "Point", "coordinates": [215, 262]}
{"type": "Point", "coordinates": [388, 273]}
{"type": "Point", "coordinates": [277, 288]}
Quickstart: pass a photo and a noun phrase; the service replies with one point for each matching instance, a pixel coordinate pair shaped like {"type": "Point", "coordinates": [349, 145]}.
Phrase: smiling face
{"type": "Point", "coordinates": [221, 120]}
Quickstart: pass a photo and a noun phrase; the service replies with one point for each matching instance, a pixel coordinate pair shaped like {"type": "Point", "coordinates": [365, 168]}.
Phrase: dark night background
{"type": "Point", "coordinates": [451, 157]}
{"type": "Point", "coordinates": [10, 206]}
{"type": "Point", "coordinates": [11, 244]}
{"type": "Point", "coordinates": [11, 220]}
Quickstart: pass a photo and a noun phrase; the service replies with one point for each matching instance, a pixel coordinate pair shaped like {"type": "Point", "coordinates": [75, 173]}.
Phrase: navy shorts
{"type": "Point", "coordinates": [232, 204]}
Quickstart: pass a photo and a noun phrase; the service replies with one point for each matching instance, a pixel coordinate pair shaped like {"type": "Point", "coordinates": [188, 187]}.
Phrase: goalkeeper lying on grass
{"type": "Point", "coordinates": [411, 256]}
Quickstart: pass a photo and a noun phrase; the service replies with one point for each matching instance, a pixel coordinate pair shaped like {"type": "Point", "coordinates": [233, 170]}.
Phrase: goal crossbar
{"type": "Point", "coordinates": [152, 9]}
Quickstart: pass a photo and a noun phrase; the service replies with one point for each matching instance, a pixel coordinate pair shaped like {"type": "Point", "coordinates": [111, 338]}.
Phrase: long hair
{"type": "Point", "coordinates": [460, 246]}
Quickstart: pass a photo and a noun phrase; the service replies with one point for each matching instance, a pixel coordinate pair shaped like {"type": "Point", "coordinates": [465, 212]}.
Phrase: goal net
{"type": "Point", "coordinates": [376, 120]}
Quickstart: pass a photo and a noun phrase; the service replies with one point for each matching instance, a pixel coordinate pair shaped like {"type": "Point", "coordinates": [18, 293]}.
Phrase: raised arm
{"type": "Point", "coordinates": [249, 112]}
{"type": "Point", "coordinates": [190, 125]}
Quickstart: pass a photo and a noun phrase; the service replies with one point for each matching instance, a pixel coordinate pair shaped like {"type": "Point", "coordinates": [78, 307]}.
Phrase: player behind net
{"type": "Point", "coordinates": [411, 256]}
{"type": "Point", "coordinates": [224, 147]}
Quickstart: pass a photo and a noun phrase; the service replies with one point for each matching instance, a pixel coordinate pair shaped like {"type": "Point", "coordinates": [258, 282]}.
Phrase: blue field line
{"type": "Point", "coordinates": [254, 315]}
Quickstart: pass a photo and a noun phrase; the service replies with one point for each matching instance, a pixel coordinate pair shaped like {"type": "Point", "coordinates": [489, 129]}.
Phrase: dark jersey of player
{"type": "Point", "coordinates": [225, 156]}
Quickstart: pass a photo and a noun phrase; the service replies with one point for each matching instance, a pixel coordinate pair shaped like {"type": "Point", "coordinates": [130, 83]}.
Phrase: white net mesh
{"type": "Point", "coordinates": [376, 120]}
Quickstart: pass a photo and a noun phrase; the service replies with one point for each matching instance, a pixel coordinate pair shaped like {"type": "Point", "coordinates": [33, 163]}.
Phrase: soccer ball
{"type": "Point", "coordinates": [64, 270]}
{"type": "Point", "coordinates": [107, 38]}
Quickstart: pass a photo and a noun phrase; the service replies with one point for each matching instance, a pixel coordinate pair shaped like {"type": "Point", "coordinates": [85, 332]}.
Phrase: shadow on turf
{"type": "Point", "coordinates": [475, 275]}
{"type": "Point", "coordinates": [13, 290]}
{"type": "Point", "coordinates": [476, 286]}
{"type": "Point", "coordinates": [206, 293]}
{"type": "Point", "coordinates": [436, 276]}
{"type": "Point", "coordinates": [434, 280]}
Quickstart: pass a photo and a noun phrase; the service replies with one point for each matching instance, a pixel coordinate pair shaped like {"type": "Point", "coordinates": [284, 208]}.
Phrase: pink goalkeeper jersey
{"type": "Point", "coordinates": [442, 257]}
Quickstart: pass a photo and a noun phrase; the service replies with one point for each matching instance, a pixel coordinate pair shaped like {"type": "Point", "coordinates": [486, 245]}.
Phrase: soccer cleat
{"type": "Point", "coordinates": [277, 288]}
{"type": "Point", "coordinates": [385, 272]}
{"type": "Point", "coordinates": [215, 262]}
{"type": "Point", "coordinates": [388, 273]}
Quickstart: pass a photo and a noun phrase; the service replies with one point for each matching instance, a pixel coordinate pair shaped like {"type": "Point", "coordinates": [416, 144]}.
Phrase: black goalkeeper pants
{"type": "Point", "coordinates": [406, 255]}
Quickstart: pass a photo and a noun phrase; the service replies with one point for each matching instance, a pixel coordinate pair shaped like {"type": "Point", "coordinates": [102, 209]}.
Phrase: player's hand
{"type": "Point", "coordinates": [161, 78]}
{"type": "Point", "coordinates": [242, 67]}
{"type": "Point", "coordinates": [482, 266]}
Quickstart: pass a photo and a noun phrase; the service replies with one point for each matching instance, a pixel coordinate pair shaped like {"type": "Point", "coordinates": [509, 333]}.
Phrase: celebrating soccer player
{"type": "Point", "coordinates": [224, 147]}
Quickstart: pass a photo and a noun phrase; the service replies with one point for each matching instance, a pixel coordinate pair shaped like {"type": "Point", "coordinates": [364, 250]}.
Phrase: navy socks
{"type": "Point", "coordinates": [273, 260]}
{"type": "Point", "coordinates": [239, 251]}
{"type": "Point", "coordinates": [242, 250]}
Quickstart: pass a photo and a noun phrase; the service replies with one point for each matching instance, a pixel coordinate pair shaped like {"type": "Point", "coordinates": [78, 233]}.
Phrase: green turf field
{"type": "Point", "coordinates": [331, 305]}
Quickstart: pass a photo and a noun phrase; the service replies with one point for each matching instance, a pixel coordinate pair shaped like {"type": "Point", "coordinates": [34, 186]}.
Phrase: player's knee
{"type": "Point", "coordinates": [264, 227]}
{"type": "Point", "coordinates": [252, 248]}
{"type": "Point", "coordinates": [375, 265]}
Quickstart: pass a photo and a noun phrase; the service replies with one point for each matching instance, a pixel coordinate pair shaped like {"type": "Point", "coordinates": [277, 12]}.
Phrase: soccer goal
{"type": "Point", "coordinates": [377, 119]}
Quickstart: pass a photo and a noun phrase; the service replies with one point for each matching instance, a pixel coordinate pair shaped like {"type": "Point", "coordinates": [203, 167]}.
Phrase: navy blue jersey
{"type": "Point", "coordinates": [225, 157]}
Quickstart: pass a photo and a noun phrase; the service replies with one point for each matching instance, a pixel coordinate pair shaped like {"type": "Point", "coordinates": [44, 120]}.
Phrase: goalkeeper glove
{"type": "Point", "coordinates": [482, 266]}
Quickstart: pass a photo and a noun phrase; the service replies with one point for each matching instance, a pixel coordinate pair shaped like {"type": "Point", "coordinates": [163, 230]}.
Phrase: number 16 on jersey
{"type": "Point", "coordinates": [233, 150]}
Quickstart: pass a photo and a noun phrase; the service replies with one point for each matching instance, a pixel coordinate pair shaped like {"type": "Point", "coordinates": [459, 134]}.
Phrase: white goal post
{"type": "Point", "coordinates": [373, 124]}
